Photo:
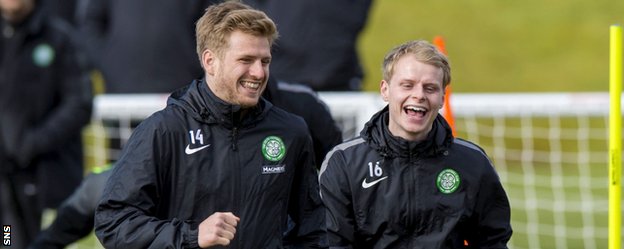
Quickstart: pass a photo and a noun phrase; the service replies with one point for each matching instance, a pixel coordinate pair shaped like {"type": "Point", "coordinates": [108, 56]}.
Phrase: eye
{"type": "Point", "coordinates": [266, 62]}
{"type": "Point", "coordinates": [431, 88]}
{"type": "Point", "coordinates": [246, 60]}
{"type": "Point", "coordinates": [406, 86]}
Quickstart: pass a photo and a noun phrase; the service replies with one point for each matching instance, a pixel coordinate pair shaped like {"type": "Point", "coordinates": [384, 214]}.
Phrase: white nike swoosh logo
{"type": "Point", "coordinates": [189, 151]}
{"type": "Point", "coordinates": [370, 184]}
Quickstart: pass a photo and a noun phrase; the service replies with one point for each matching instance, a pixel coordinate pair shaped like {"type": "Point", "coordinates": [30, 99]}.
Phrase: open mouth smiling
{"type": "Point", "coordinates": [253, 85]}
{"type": "Point", "coordinates": [415, 111]}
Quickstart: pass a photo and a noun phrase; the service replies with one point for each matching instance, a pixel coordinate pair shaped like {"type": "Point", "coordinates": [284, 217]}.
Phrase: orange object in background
{"type": "Point", "coordinates": [447, 111]}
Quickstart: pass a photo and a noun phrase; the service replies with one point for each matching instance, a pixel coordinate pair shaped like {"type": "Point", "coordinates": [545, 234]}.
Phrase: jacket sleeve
{"type": "Point", "coordinates": [325, 133]}
{"type": "Point", "coordinates": [127, 214]}
{"type": "Point", "coordinates": [493, 213]}
{"type": "Point", "coordinates": [74, 218]}
{"type": "Point", "coordinates": [336, 197]}
{"type": "Point", "coordinates": [305, 208]}
{"type": "Point", "coordinates": [69, 226]}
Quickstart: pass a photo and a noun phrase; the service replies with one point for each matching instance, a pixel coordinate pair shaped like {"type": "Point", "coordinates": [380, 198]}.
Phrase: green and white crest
{"type": "Point", "coordinates": [273, 148]}
{"type": "Point", "coordinates": [448, 181]}
{"type": "Point", "coordinates": [43, 55]}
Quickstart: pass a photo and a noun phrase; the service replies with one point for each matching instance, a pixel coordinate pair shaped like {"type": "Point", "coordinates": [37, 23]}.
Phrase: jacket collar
{"type": "Point", "coordinates": [204, 106]}
{"type": "Point", "coordinates": [377, 134]}
{"type": "Point", "coordinates": [32, 24]}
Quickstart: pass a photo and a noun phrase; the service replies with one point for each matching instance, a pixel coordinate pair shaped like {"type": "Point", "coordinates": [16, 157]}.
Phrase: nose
{"type": "Point", "coordinates": [257, 70]}
{"type": "Point", "coordinates": [418, 93]}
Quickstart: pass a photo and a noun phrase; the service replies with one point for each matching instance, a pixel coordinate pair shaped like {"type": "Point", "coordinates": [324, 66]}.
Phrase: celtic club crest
{"type": "Point", "coordinates": [273, 148]}
{"type": "Point", "coordinates": [448, 181]}
{"type": "Point", "coordinates": [43, 55]}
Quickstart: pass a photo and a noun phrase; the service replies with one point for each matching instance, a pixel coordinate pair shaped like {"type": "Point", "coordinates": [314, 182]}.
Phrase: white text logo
{"type": "Point", "coordinates": [273, 169]}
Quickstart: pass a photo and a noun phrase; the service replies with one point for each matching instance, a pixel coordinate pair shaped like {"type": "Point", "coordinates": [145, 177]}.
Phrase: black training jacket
{"type": "Point", "coordinates": [196, 157]}
{"type": "Point", "coordinates": [381, 191]}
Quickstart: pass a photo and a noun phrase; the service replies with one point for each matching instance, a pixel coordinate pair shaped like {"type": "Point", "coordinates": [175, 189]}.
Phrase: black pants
{"type": "Point", "coordinates": [20, 207]}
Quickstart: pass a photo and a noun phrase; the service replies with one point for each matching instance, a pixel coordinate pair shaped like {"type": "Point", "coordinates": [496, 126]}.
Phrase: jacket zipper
{"type": "Point", "coordinates": [238, 183]}
{"type": "Point", "coordinates": [414, 203]}
{"type": "Point", "coordinates": [234, 138]}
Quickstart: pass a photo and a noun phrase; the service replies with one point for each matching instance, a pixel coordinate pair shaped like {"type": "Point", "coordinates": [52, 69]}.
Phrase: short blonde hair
{"type": "Point", "coordinates": [220, 20]}
{"type": "Point", "coordinates": [424, 52]}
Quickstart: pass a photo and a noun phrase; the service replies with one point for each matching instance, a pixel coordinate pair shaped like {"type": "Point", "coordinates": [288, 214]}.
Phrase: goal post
{"type": "Point", "coordinates": [615, 138]}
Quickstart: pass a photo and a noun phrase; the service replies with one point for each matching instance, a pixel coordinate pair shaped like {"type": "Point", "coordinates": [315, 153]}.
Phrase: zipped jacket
{"type": "Point", "coordinates": [381, 191]}
{"type": "Point", "coordinates": [198, 156]}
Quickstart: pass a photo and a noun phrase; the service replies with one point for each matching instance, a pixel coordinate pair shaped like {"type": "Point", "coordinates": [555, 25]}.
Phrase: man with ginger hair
{"type": "Point", "coordinates": [219, 166]}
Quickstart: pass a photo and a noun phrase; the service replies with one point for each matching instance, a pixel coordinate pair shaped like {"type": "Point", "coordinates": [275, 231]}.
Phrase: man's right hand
{"type": "Point", "coordinates": [217, 229]}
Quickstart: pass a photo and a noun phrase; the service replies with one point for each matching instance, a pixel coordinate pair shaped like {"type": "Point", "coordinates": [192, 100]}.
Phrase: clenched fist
{"type": "Point", "coordinates": [217, 229]}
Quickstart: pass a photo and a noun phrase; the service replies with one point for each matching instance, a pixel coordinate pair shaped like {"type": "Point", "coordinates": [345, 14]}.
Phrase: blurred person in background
{"type": "Point", "coordinates": [46, 100]}
{"type": "Point", "coordinates": [141, 46]}
{"type": "Point", "coordinates": [317, 45]}
{"type": "Point", "coordinates": [64, 9]}
{"type": "Point", "coordinates": [445, 190]}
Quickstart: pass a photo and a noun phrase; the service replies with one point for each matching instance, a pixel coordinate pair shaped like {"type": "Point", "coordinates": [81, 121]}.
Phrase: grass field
{"type": "Point", "coordinates": [559, 216]}
{"type": "Point", "coordinates": [556, 180]}
{"type": "Point", "coordinates": [502, 46]}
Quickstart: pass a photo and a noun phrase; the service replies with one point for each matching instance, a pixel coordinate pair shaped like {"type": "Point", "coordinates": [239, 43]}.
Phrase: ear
{"type": "Point", "coordinates": [208, 62]}
{"type": "Point", "coordinates": [384, 88]}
